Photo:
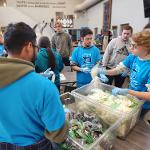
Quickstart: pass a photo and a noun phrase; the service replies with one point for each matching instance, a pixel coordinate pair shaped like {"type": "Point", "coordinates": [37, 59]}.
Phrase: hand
{"type": "Point", "coordinates": [48, 73]}
{"type": "Point", "coordinates": [85, 70]}
{"type": "Point", "coordinates": [67, 113]}
{"type": "Point", "coordinates": [103, 78]}
{"type": "Point", "coordinates": [119, 91]}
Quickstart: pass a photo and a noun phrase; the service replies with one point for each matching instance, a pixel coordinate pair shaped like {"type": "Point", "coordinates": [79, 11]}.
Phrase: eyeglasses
{"type": "Point", "coordinates": [133, 45]}
{"type": "Point", "coordinates": [35, 46]}
{"type": "Point", "coordinates": [88, 39]}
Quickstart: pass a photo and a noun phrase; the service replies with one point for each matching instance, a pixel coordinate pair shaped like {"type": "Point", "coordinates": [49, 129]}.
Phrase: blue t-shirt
{"type": "Point", "coordinates": [28, 106]}
{"type": "Point", "coordinates": [140, 74]}
{"type": "Point", "coordinates": [85, 57]}
{"type": "Point", "coordinates": [1, 49]}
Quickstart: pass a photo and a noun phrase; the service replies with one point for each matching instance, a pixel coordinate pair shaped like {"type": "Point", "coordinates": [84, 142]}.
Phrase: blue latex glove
{"type": "Point", "coordinates": [85, 70]}
{"type": "Point", "coordinates": [103, 78]}
{"type": "Point", "coordinates": [102, 71]}
{"type": "Point", "coordinates": [119, 91]}
{"type": "Point", "coordinates": [48, 73]}
{"type": "Point", "coordinates": [124, 74]}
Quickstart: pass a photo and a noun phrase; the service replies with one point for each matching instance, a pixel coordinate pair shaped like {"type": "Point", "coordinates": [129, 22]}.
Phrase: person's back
{"type": "Point", "coordinates": [30, 105]}
{"type": "Point", "coordinates": [21, 109]}
{"type": "Point", "coordinates": [42, 64]}
{"type": "Point", "coordinates": [47, 58]}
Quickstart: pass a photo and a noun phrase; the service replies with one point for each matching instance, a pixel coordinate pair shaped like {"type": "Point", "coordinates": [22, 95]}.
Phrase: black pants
{"type": "Point", "coordinates": [41, 145]}
{"type": "Point", "coordinates": [118, 79]}
{"type": "Point", "coordinates": [66, 61]}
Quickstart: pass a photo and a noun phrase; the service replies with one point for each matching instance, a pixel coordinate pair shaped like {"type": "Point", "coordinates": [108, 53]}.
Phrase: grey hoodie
{"type": "Point", "coordinates": [62, 42]}
{"type": "Point", "coordinates": [116, 51]}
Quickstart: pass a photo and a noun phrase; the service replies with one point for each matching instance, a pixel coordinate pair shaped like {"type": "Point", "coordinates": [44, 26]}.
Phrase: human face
{"type": "Point", "coordinates": [58, 28]}
{"type": "Point", "coordinates": [138, 50]}
{"type": "Point", "coordinates": [87, 40]}
{"type": "Point", "coordinates": [126, 34]}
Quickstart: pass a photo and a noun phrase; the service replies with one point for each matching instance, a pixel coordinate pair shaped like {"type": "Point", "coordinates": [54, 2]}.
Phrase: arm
{"type": "Point", "coordinates": [58, 136]}
{"type": "Point", "coordinates": [115, 71]}
{"type": "Point", "coordinates": [52, 114]}
{"type": "Point", "coordinates": [108, 53]}
{"type": "Point", "coordinates": [74, 60]}
{"type": "Point", "coordinates": [75, 68]}
{"type": "Point", "coordinates": [61, 64]}
{"type": "Point", "coordinates": [122, 67]}
{"type": "Point", "coordinates": [53, 42]}
{"type": "Point", "coordinates": [141, 95]}
{"type": "Point", "coordinates": [70, 44]}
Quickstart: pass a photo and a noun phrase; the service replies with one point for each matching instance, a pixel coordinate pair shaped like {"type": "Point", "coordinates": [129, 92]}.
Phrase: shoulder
{"type": "Point", "coordinates": [95, 48]}
{"type": "Point", "coordinates": [77, 49]}
{"type": "Point", "coordinates": [130, 59]}
{"type": "Point", "coordinates": [42, 53]}
{"type": "Point", "coordinates": [38, 81]}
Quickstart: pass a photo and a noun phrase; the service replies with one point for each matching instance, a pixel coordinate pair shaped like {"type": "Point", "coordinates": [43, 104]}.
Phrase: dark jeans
{"type": "Point", "coordinates": [66, 61]}
{"type": "Point", "coordinates": [41, 145]}
{"type": "Point", "coordinates": [143, 112]}
{"type": "Point", "coordinates": [118, 79]}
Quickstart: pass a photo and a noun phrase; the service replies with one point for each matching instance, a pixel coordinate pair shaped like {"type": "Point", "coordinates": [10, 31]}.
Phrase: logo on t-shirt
{"type": "Point", "coordinates": [87, 58]}
{"type": "Point", "coordinates": [123, 51]}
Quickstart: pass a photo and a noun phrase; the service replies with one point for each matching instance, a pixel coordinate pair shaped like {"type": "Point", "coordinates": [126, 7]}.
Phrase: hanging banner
{"type": "Point", "coordinates": [40, 4]}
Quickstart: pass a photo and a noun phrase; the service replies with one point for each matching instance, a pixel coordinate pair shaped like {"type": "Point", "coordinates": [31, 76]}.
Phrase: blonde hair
{"type": "Point", "coordinates": [142, 38]}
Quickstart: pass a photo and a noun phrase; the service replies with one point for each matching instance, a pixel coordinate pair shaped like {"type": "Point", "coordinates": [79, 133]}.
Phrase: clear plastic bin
{"type": "Point", "coordinates": [106, 112]}
{"type": "Point", "coordinates": [106, 140]}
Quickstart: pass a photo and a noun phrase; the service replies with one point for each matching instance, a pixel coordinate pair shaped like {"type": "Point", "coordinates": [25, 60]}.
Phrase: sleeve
{"type": "Point", "coordinates": [148, 84]}
{"type": "Point", "coordinates": [61, 64]}
{"type": "Point", "coordinates": [69, 43]}
{"type": "Point", "coordinates": [74, 58]}
{"type": "Point", "coordinates": [39, 66]}
{"type": "Point", "coordinates": [128, 61]}
{"type": "Point", "coordinates": [53, 42]}
{"type": "Point", "coordinates": [121, 68]}
{"type": "Point", "coordinates": [98, 55]}
{"type": "Point", "coordinates": [108, 53]}
{"type": "Point", "coordinates": [51, 109]}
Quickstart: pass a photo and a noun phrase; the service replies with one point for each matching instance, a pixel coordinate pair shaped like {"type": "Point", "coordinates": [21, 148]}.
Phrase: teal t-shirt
{"type": "Point", "coordinates": [140, 74]}
{"type": "Point", "coordinates": [42, 64]}
{"type": "Point", "coordinates": [28, 106]}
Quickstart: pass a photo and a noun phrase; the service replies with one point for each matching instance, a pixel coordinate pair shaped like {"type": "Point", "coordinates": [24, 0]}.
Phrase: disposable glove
{"type": "Point", "coordinates": [103, 78]}
{"type": "Point", "coordinates": [119, 91]}
{"type": "Point", "coordinates": [85, 70]}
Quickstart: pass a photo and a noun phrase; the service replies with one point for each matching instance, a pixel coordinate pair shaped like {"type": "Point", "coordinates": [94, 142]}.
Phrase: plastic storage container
{"type": "Point", "coordinates": [106, 140]}
{"type": "Point", "coordinates": [108, 114]}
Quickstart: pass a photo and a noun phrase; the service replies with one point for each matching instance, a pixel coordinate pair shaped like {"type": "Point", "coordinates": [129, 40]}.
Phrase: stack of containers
{"type": "Point", "coordinates": [108, 114]}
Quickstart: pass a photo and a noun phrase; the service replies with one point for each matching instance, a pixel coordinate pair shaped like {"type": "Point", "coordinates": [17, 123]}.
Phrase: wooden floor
{"type": "Point", "coordinates": [138, 139]}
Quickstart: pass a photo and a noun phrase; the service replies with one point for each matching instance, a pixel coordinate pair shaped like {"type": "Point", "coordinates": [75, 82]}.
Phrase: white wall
{"type": "Point", "coordinates": [128, 11]}
{"type": "Point", "coordinates": [40, 14]}
{"type": "Point", "coordinates": [11, 15]}
{"type": "Point", "coordinates": [95, 16]}
{"type": "Point", "coordinates": [81, 20]}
